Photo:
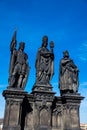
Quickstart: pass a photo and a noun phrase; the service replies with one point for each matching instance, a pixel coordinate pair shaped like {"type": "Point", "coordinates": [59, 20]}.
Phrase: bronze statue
{"type": "Point", "coordinates": [68, 78]}
{"type": "Point", "coordinates": [44, 63]}
{"type": "Point", "coordinates": [19, 68]}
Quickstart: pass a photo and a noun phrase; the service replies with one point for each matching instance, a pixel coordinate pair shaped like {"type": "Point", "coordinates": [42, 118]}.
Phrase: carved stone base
{"type": "Point", "coordinates": [41, 110]}
{"type": "Point", "coordinates": [42, 87]}
{"type": "Point", "coordinates": [12, 128]}
{"type": "Point", "coordinates": [71, 103]}
{"type": "Point", "coordinates": [65, 112]}
{"type": "Point", "coordinates": [13, 109]}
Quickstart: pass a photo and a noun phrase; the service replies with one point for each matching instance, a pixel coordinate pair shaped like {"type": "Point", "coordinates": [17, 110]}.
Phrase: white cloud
{"type": "Point", "coordinates": [83, 84]}
{"type": "Point", "coordinates": [83, 106]}
{"type": "Point", "coordinates": [83, 89]}
{"type": "Point", "coordinates": [2, 106]}
{"type": "Point", "coordinates": [83, 52]}
{"type": "Point", "coordinates": [83, 111]}
{"type": "Point", "coordinates": [85, 44]}
{"type": "Point", "coordinates": [83, 58]}
{"type": "Point", "coordinates": [3, 85]}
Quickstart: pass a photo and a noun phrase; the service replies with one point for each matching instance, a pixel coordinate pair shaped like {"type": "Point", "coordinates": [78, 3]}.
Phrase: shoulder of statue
{"type": "Point", "coordinates": [63, 60]}
{"type": "Point", "coordinates": [15, 52]}
{"type": "Point", "coordinates": [40, 49]}
{"type": "Point", "coordinates": [71, 60]}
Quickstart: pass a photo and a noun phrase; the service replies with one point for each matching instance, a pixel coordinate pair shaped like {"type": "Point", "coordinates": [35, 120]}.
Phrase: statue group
{"type": "Point", "coordinates": [19, 68]}
{"type": "Point", "coordinates": [41, 109]}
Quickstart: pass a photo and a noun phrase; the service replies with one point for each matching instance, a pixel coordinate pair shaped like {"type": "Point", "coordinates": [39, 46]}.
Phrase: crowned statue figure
{"type": "Point", "coordinates": [68, 75]}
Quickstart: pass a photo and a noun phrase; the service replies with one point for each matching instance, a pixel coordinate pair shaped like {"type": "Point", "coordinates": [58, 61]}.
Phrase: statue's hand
{"type": "Point", "coordinates": [52, 56]}
{"type": "Point", "coordinates": [76, 70]}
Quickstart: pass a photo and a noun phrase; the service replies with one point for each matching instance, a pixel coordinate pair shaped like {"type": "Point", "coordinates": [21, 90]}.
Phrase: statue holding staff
{"type": "Point", "coordinates": [19, 68]}
{"type": "Point", "coordinates": [44, 63]}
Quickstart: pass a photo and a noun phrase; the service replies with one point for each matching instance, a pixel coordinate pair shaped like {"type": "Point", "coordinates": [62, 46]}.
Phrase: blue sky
{"type": "Point", "coordinates": [63, 21]}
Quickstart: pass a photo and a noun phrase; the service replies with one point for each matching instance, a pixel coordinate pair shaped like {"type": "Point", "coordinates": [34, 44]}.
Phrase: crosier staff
{"type": "Point", "coordinates": [51, 46]}
{"type": "Point", "coordinates": [52, 57]}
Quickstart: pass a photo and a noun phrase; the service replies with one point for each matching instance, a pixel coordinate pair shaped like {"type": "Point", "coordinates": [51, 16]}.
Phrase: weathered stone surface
{"type": "Point", "coordinates": [68, 75]}
{"type": "Point", "coordinates": [13, 109]}
{"type": "Point", "coordinates": [41, 111]}
{"type": "Point", "coordinates": [65, 112]}
{"type": "Point", "coordinates": [44, 63]}
{"type": "Point", "coordinates": [19, 68]}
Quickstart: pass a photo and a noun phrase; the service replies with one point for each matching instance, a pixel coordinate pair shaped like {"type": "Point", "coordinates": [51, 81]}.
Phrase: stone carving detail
{"type": "Point", "coordinates": [44, 63]}
{"type": "Point", "coordinates": [68, 78]}
{"type": "Point", "coordinates": [41, 109]}
{"type": "Point", "coordinates": [44, 96]}
{"type": "Point", "coordinates": [74, 117]}
{"type": "Point", "coordinates": [29, 120]}
{"type": "Point", "coordinates": [14, 114]}
{"type": "Point", "coordinates": [57, 116]}
{"type": "Point", "coordinates": [19, 68]}
{"type": "Point", "coordinates": [44, 117]}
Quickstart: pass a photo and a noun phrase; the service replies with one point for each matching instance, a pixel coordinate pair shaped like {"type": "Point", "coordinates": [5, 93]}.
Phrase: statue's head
{"type": "Point", "coordinates": [44, 41]}
{"type": "Point", "coordinates": [66, 54]}
{"type": "Point", "coordinates": [21, 45]}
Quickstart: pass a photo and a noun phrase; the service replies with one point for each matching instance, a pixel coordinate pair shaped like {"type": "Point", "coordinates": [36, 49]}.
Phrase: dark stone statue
{"type": "Point", "coordinates": [44, 63]}
{"type": "Point", "coordinates": [41, 109]}
{"type": "Point", "coordinates": [68, 78]}
{"type": "Point", "coordinates": [19, 68]}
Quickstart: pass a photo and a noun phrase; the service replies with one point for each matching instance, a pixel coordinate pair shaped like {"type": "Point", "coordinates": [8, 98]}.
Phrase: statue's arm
{"type": "Point", "coordinates": [47, 54]}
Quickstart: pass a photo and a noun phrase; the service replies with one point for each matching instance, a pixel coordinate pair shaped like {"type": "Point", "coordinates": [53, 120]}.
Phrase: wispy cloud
{"type": "Point", "coordinates": [83, 88]}
{"type": "Point", "coordinates": [83, 111]}
{"type": "Point", "coordinates": [83, 107]}
{"type": "Point", "coordinates": [3, 85]}
{"type": "Point", "coordinates": [83, 52]}
{"type": "Point", "coordinates": [2, 106]}
{"type": "Point", "coordinates": [2, 100]}
{"type": "Point", "coordinates": [83, 84]}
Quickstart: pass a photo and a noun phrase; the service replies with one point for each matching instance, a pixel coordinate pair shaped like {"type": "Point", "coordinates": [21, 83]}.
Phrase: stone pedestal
{"type": "Point", "coordinates": [71, 105]}
{"type": "Point", "coordinates": [65, 112]}
{"type": "Point", "coordinates": [41, 110]}
{"type": "Point", "coordinates": [43, 98]}
{"type": "Point", "coordinates": [13, 109]}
